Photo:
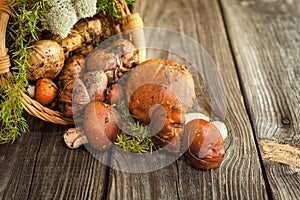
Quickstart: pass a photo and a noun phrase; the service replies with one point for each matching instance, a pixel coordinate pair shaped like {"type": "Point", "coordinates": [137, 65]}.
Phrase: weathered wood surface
{"type": "Point", "coordinates": [256, 49]}
{"type": "Point", "coordinates": [40, 166]}
{"type": "Point", "coordinates": [240, 175]}
{"type": "Point", "coordinates": [265, 36]}
{"type": "Point", "coordinates": [61, 173]}
{"type": "Point", "coordinates": [17, 163]}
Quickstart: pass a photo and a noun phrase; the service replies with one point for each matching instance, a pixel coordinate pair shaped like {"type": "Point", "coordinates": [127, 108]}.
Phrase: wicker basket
{"type": "Point", "coordinates": [132, 24]}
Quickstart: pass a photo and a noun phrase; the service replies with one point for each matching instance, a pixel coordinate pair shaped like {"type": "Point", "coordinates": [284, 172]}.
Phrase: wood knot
{"type": "Point", "coordinates": [285, 121]}
{"type": "Point", "coordinates": [282, 153]}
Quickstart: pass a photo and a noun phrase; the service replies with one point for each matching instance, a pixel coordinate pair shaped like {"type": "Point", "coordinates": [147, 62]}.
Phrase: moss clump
{"type": "Point", "coordinates": [85, 8]}
{"type": "Point", "coordinates": [62, 15]}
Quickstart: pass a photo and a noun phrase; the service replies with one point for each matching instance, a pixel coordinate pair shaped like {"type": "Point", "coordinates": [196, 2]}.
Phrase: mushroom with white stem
{"type": "Point", "coordinates": [222, 128]}
{"type": "Point", "coordinates": [204, 144]}
{"type": "Point", "coordinates": [75, 137]}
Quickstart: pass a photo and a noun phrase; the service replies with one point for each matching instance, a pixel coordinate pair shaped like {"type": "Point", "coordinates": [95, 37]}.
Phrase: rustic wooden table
{"type": "Point", "coordinates": [256, 46]}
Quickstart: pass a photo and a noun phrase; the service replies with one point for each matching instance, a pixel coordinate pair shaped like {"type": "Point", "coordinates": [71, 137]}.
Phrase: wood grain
{"type": "Point", "coordinates": [261, 55]}
{"type": "Point", "coordinates": [240, 175]}
{"type": "Point", "coordinates": [62, 173]}
{"type": "Point", "coordinates": [265, 36]}
{"type": "Point", "coordinates": [17, 163]}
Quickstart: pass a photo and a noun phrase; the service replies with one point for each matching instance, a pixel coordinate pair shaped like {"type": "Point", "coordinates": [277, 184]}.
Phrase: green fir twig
{"type": "Point", "coordinates": [134, 137]}
{"type": "Point", "coordinates": [111, 7]}
{"type": "Point", "coordinates": [21, 31]}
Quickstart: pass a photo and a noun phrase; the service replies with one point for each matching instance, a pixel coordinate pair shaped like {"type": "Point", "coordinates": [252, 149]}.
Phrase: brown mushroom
{"type": "Point", "coordinates": [96, 84]}
{"type": "Point", "coordinates": [46, 60]}
{"type": "Point", "coordinates": [114, 59]}
{"type": "Point", "coordinates": [92, 26]}
{"type": "Point", "coordinates": [204, 144]}
{"type": "Point", "coordinates": [100, 60]}
{"type": "Point", "coordinates": [73, 97]}
{"type": "Point", "coordinates": [72, 69]}
{"type": "Point", "coordinates": [67, 80]}
{"type": "Point", "coordinates": [166, 73]}
{"type": "Point", "coordinates": [72, 42]}
{"type": "Point", "coordinates": [167, 121]}
{"type": "Point", "coordinates": [148, 95]}
{"type": "Point", "coordinates": [100, 125]}
{"type": "Point", "coordinates": [45, 91]}
{"type": "Point", "coordinates": [166, 83]}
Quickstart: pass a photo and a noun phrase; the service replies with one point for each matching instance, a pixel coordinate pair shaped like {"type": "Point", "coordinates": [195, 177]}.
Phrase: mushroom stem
{"type": "Point", "coordinates": [191, 116]}
{"type": "Point", "coordinates": [222, 128]}
{"type": "Point", "coordinates": [74, 138]}
{"type": "Point", "coordinates": [31, 91]}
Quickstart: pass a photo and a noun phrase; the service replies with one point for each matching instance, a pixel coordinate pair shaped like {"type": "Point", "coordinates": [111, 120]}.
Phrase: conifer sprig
{"type": "Point", "coordinates": [21, 31]}
{"type": "Point", "coordinates": [134, 137]}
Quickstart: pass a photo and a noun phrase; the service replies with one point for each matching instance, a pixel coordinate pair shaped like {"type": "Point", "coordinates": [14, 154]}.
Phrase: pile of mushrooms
{"type": "Point", "coordinates": [81, 81]}
{"type": "Point", "coordinates": [160, 94]}
{"type": "Point", "coordinates": [55, 64]}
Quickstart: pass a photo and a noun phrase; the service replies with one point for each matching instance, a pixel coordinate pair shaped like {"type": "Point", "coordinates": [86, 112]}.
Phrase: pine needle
{"type": "Point", "coordinates": [134, 137]}
{"type": "Point", "coordinates": [21, 30]}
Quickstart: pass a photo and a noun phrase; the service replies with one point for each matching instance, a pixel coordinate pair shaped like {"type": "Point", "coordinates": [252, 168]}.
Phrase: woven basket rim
{"type": "Point", "coordinates": [33, 107]}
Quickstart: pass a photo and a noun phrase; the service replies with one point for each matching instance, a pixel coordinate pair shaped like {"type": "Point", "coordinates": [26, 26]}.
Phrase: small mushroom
{"type": "Point", "coordinates": [75, 137]}
{"type": "Point", "coordinates": [100, 125]}
{"type": "Point", "coordinates": [204, 144]}
{"type": "Point", "coordinates": [114, 59]}
{"type": "Point", "coordinates": [72, 42]}
{"type": "Point", "coordinates": [96, 84]}
{"type": "Point", "coordinates": [45, 91]}
{"type": "Point", "coordinates": [72, 69]}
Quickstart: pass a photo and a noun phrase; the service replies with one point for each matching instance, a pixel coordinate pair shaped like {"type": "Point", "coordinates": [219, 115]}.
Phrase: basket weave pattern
{"type": "Point", "coordinates": [131, 24]}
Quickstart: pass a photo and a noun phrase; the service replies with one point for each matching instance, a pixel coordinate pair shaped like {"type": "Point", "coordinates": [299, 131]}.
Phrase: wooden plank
{"type": "Point", "coordinates": [240, 175]}
{"type": "Point", "coordinates": [266, 41]}
{"type": "Point", "coordinates": [17, 163]}
{"type": "Point", "coordinates": [62, 173]}
{"type": "Point", "coordinates": [160, 184]}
